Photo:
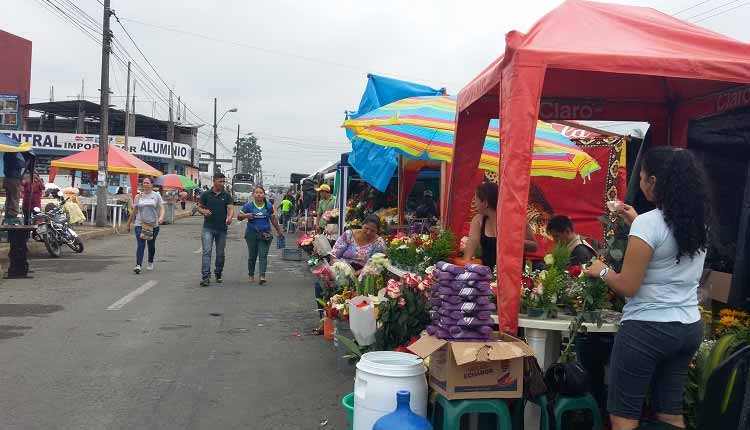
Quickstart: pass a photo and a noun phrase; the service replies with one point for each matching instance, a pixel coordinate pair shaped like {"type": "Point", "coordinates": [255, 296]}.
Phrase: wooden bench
{"type": "Point", "coordinates": [17, 256]}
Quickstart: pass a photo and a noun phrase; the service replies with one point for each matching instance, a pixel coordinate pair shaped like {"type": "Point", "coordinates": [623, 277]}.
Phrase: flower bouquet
{"type": "Point", "coordinates": [414, 253]}
{"type": "Point", "coordinates": [403, 313]}
{"type": "Point", "coordinates": [305, 243]}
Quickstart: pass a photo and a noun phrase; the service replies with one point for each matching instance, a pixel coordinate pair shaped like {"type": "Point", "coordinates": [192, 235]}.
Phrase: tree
{"type": "Point", "coordinates": [249, 156]}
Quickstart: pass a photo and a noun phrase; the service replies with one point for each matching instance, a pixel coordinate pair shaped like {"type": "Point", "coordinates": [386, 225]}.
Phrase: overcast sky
{"type": "Point", "coordinates": [292, 67]}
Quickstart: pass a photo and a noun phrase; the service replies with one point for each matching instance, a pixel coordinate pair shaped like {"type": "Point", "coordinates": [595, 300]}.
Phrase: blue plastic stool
{"type": "Point", "coordinates": [567, 404]}
{"type": "Point", "coordinates": [453, 410]}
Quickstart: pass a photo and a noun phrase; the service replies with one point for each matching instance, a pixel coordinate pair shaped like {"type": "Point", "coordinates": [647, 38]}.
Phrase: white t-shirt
{"type": "Point", "coordinates": [669, 291]}
{"type": "Point", "coordinates": [147, 208]}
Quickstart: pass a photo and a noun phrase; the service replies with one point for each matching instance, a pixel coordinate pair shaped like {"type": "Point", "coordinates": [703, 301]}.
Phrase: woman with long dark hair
{"type": "Point", "coordinates": [260, 216]}
{"type": "Point", "coordinates": [661, 326]}
{"type": "Point", "coordinates": [483, 231]}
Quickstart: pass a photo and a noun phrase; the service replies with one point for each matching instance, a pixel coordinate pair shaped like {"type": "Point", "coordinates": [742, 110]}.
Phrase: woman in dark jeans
{"type": "Point", "coordinates": [661, 325]}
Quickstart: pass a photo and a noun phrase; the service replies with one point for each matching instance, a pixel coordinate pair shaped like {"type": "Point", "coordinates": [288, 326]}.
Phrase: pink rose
{"type": "Point", "coordinates": [393, 292]}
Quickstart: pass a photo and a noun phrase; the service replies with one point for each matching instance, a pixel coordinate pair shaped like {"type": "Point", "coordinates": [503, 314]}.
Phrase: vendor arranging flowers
{"type": "Point", "coordinates": [357, 246]}
{"type": "Point", "coordinates": [661, 325]}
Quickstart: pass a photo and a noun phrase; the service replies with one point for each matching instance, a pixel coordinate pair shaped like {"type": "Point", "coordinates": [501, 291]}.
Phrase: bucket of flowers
{"type": "Point", "coordinates": [414, 253]}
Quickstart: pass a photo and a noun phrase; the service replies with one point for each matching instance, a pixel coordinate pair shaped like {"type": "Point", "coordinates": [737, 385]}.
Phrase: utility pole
{"type": "Point", "coordinates": [216, 167]}
{"type": "Point", "coordinates": [178, 109]}
{"type": "Point", "coordinates": [171, 136]}
{"type": "Point", "coordinates": [101, 190]}
{"type": "Point", "coordinates": [127, 110]}
{"type": "Point", "coordinates": [236, 148]}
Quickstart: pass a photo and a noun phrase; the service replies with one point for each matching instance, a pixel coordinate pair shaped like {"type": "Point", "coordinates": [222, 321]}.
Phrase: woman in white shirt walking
{"type": "Point", "coordinates": [661, 325]}
{"type": "Point", "coordinates": [148, 214]}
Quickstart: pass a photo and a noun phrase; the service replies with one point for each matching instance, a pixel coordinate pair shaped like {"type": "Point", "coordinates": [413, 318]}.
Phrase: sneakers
{"type": "Point", "coordinates": [137, 269]}
{"type": "Point", "coordinates": [205, 282]}
{"type": "Point", "coordinates": [218, 279]}
{"type": "Point", "coordinates": [150, 266]}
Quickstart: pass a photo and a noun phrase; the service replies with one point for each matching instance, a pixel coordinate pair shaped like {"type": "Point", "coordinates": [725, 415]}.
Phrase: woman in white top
{"type": "Point", "coordinates": [148, 212]}
{"type": "Point", "coordinates": [661, 326]}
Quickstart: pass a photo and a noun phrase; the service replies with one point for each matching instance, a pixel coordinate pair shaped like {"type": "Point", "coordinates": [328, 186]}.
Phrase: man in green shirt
{"type": "Point", "coordinates": [216, 205]}
{"type": "Point", "coordinates": [286, 210]}
{"type": "Point", "coordinates": [326, 202]}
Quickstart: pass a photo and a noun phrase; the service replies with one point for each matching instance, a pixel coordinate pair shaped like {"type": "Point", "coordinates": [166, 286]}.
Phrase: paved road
{"type": "Point", "coordinates": [176, 356]}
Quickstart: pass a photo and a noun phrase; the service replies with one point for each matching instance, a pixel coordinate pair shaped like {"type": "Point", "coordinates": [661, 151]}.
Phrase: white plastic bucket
{"type": "Point", "coordinates": [379, 376]}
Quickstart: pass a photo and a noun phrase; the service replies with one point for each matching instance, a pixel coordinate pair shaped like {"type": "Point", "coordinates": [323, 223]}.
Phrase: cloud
{"type": "Point", "coordinates": [301, 63]}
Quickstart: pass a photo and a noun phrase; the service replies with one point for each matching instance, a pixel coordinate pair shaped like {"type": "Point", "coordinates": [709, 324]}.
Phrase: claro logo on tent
{"type": "Point", "coordinates": [555, 109]}
{"type": "Point", "coordinates": [733, 99]}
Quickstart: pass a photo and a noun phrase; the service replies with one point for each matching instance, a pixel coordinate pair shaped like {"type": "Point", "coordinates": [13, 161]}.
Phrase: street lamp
{"type": "Point", "coordinates": [216, 124]}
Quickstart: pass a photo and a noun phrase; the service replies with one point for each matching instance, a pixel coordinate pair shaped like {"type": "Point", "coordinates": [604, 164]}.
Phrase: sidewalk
{"type": "Point", "coordinates": [86, 232]}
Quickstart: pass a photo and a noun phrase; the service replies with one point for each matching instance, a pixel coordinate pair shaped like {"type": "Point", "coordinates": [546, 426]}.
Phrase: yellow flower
{"type": "Point", "coordinates": [729, 321]}
{"type": "Point", "coordinates": [549, 260]}
{"type": "Point", "coordinates": [396, 243]}
{"type": "Point", "coordinates": [726, 313]}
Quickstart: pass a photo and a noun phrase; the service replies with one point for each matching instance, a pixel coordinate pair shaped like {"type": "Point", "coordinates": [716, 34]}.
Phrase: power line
{"type": "Point", "coordinates": [358, 69]}
{"type": "Point", "coordinates": [711, 10]}
{"type": "Point", "coordinates": [722, 12]}
{"type": "Point", "coordinates": [691, 7]}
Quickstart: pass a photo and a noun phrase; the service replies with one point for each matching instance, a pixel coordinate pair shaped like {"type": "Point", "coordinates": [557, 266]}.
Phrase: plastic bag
{"type": "Point", "coordinates": [362, 320]}
{"type": "Point", "coordinates": [322, 245]}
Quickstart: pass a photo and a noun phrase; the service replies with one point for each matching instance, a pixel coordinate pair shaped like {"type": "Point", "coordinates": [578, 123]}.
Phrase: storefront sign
{"type": "Point", "coordinates": [561, 109]}
{"type": "Point", "coordinates": [81, 142]}
{"type": "Point", "coordinates": [734, 99]}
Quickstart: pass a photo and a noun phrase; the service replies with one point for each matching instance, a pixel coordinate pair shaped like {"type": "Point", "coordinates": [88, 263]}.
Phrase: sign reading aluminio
{"type": "Point", "coordinates": [82, 142]}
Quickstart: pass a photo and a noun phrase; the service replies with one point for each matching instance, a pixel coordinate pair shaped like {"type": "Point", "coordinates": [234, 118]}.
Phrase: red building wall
{"type": "Point", "coordinates": [15, 67]}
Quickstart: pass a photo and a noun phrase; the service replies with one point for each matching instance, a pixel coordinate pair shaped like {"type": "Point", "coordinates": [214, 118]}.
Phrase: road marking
{"type": "Point", "coordinates": [198, 251]}
{"type": "Point", "coordinates": [132, 295]}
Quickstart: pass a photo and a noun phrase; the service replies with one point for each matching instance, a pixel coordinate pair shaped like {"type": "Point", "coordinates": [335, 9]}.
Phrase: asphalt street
{"type": "Point", "coordinates": [87, 344]}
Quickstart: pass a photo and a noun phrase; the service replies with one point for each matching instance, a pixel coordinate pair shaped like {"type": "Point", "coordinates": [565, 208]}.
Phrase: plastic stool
{"type": "Point", "coordinates": [453, 410]}
{"type": "Point", "coordinates": [567, 404]}
{"type": "Point", "coordinates": [542, 402]}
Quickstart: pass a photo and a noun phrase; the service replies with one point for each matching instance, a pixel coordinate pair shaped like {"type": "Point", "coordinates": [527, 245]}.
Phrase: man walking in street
{"type": "Point", "coordinates": [216, 205]}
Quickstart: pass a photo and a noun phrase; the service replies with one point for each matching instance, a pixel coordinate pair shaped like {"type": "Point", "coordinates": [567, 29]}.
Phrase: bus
{"type": "Point", "coordinates": [242, 187]}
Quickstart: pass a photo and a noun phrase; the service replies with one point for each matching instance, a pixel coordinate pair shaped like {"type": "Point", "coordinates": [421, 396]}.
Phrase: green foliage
{"type": "Point", "coordinates": [561, 256]}
{"type": "Point", "coordinates": [248, 155]}
{"type": "Point", "coordinates": [442, 247]}
{"type": "Point", "coordinates": [706, 360]}
{"type": "Point", "coordinates": [399, 324]}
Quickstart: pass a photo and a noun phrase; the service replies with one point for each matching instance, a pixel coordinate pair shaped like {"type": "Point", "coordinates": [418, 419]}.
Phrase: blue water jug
{"type": "Point", "coordinates": [402, 418]}
{"type": "Point", "coordinates": [280, 242]}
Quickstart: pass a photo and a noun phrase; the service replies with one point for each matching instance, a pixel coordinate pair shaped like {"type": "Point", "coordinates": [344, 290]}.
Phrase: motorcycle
{"type": "Point", "coordinates": [53, 229]}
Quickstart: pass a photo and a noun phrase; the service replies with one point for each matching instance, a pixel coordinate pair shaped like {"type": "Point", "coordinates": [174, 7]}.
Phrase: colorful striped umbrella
{"type": "Point", "coordinates": [423, 128]}
{"type": "Point", "coordinates": [8, 144]}
{"type": "Point", "coordinates": [175, 181]}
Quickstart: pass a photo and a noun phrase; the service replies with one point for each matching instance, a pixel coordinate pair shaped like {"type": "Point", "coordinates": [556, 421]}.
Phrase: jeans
{"type": "Point", "coordinates": [208, 237]}
{"type": "Point", "coordinates": [256, 249]}
{"type": "Point", "coordinates": [285, 217]}
{"type": "Point", "coordinates": [653, 355]}
{"type": "Point", "coordinates": [12, 192]}
{"type": "Point", "coordinates": [141, 244]}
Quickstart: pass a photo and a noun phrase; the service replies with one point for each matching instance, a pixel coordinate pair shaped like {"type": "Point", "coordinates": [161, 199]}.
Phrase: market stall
{"type": "Point", "coordinates": [118, 161]}
{"type": "Point", "coordinates": [663, 71]}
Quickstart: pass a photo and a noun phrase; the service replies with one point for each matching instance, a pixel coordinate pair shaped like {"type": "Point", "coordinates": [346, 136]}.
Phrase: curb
{"type": "Point", "coordinates": [35, 247]}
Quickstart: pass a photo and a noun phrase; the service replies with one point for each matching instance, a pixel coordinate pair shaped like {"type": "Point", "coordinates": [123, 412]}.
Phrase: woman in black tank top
{"type": "Point", "coordinates": [485, 221]}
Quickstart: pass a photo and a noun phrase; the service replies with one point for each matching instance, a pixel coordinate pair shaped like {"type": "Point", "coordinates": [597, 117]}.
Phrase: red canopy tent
{"type": "Point", "coordinates": [118, 161]}
{"type": "Point", "coordinates": [586, 61]}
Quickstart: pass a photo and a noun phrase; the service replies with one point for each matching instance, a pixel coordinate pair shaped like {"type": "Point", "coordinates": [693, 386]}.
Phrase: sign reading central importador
{"type": "Point", "coordinates": [82, 142]}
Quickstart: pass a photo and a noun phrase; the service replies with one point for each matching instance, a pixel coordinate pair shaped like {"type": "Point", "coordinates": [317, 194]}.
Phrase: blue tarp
{"type": "Point", "coordinates": [376, 164]}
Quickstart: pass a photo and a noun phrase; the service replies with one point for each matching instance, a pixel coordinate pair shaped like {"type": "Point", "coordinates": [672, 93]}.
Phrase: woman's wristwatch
{"type": "Point", "coordinates": [603, 273]}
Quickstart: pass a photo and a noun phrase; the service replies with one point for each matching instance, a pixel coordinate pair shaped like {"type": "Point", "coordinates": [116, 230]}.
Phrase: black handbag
{"type": "Point", "coordinates": [533, 378]}
{"type": "Point", "coordinates": [567, 379]}
{"type": "Point", "coordinates": [265, 236]}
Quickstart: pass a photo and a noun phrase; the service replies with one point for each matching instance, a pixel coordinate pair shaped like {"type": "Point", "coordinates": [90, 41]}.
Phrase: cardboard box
{"type": "Point", "coordinates": [718, 285]}
{"type": "Point", "coordinates": [475, 370]}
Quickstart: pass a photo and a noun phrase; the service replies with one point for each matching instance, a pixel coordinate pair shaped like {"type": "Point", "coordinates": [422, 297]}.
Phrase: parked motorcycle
{"type": "Point", "coordinates": [54, 230]}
